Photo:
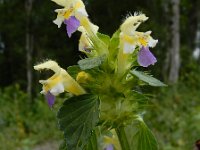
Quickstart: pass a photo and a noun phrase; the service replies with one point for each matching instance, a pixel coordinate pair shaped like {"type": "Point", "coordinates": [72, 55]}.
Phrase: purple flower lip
{"type": "Point", "coordinates": [50, 99]}
{"type": "Point", "coordinates": [145, 57]}
{"type": "Point", "coordinates": [109, 147]}
{"type": "Point", "coordinates": [72, 25]}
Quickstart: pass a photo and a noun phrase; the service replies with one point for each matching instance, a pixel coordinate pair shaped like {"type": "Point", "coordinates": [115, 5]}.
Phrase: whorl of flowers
{"type": "Point", "coordinates": [109, 71]}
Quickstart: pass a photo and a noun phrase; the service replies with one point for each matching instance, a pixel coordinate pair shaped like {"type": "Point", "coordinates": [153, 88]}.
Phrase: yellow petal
{"type": "Point", "coordinates": [132, 23]}
{"type": "Point", "coordinates": [79, 4]}
{"type": "Point", "coordinates": [127, 38]}
{"type": "Point", "coordinates": [82, 77]}
{"type": "Point", "coordinates": [52, 65]}
{"type": "Point", "coordinates": [68, 13]}
{"type": "Point", "coordinates": [143, 41]}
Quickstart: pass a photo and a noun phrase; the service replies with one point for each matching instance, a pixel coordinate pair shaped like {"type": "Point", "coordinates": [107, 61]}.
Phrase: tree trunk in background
{"type": "Point", "coordinates": [29, 47]}
{"type": "Point", "coordinates": [175, 47]}
{"type": "Point", "coordinates": [196, 51]}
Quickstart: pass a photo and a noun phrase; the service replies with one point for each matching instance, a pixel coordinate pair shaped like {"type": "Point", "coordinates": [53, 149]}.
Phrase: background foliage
{"type": "Point", "coordinates": [175, 113]}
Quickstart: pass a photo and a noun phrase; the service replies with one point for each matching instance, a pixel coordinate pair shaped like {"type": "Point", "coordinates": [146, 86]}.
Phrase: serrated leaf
{"type": "Point", "coordinates": [77, 118]}
{"type": "Point", "coordinates": [89, 63]}
{"type": "Point", "coordinates": [73, 70]}
{"type": "Point", "coordinates": [147, 78]}
{"type": "Point", "coordinates": [140, 137]}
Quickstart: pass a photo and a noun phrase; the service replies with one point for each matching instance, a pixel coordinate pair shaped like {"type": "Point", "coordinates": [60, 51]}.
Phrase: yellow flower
{"type": "Point", "coordinates": [83, 77]}
{"type": "Point", "coordinates": [130, 38]}
{"type": "Point", "coordinates": [85, 43]}
{"type": "Point", "coordinates": [71, 8]}
{"type": "Point", "coordinates": [145, 39]}
{"type": "Point", "coordinates": [138, 39]}
{"type": "Point", "coordinates": [75, 16]}
{"type": "Point", "coordinates": [61, 81]}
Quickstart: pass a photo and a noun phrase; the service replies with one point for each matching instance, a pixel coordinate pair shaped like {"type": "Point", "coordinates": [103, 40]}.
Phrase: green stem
{"type": "Point", "coordinates": [122, 138]}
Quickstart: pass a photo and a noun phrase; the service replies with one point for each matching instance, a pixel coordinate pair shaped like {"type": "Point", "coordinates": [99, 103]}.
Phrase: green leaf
{"type": "Point", "coordinates": [101, 43]}
{"type": "Point", "coordinates": [147, 78]}
{"type": "Point", "coordinates": [73, 70]}
{"type": "Point", "coordinates": [140, 136]}
{"type": "Point", "coordinates": [122, 138]}
{"type": "Point", "coordinates": [105, 38]}
{"type": "Point", "coordinates": [114, 43]}
{"type": "Point", "coordinates": [77, 118]}
{"type": "Point", "coordinates": [89, 63]}
{"type": "Point", "coordinates": [146, 138]}
{"type": "Point", "coordinates": [92, 144]}
{"type": "Point", "coordinates": [113, 49]}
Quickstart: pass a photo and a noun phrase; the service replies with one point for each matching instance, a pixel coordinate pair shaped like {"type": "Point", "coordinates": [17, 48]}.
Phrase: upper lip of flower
{"type": "Point", "coordinates": [132, 23]}
{"type": "Point", "coordinates": [51, 65]}
{"type": "Point", "coordinates": [60, 77]}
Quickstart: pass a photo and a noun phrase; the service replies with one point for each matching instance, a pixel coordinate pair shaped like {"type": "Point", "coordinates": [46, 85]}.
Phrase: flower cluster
{"type": "Point", "coordinates": [131, 42]}
{"type": "Point", "coordinates": [142, 41]}
{"type": "Point", "coordinates": [101, 85]}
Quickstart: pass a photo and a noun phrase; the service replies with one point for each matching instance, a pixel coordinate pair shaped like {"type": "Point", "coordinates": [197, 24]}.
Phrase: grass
{"type": "Point", "coordinates": [175, 117]}
{"type": "Point", "coordinates": [24, 124]}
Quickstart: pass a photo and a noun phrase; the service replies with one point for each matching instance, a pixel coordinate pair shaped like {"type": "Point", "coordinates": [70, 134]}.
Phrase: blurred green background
{"type": "Point", "coordinates": [28, 36]}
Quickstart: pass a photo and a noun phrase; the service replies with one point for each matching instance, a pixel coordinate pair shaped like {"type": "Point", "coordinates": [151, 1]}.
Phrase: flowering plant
{"type": "Point", "coordinates": [105, 109]}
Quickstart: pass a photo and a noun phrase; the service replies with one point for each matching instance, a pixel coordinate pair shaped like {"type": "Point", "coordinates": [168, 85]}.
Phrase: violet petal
{"type": "Point", "coordinates": [72, 25]}
{"type": "Point", "coordinates": [145, 57]}
{"type": "Point", "coordinates": [109, 147]}
{"type": "Point", "coordinates": [50, 99]}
